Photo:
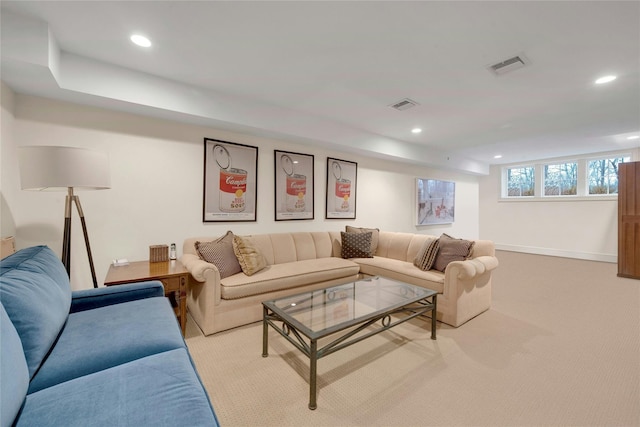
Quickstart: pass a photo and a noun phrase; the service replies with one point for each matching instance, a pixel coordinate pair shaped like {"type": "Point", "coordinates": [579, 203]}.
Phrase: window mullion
{"type": "Point", "coordinates": [539, 180]}
{"type": "Point", "coordinates": [583, 177]}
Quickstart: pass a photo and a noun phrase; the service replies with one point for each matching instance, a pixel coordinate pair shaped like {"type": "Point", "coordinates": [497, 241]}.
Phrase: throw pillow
{"type": "Point", "coordinates": [249, 255]}
{"type": "Point", "coordinates": [356, 245]}
{"type": "Point", "coordinates": [427, 254]}
{"type": "Point", "coordinates": [450, 249]}
{"type": "Point", "coordinates": [375, 235]}
{"type": "Point", "coordinates": [220, 253]}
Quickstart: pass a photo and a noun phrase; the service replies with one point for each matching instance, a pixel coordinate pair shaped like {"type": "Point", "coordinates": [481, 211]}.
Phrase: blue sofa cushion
{"type": "Point", "coordinates": [159, 390]}
{"type": "Point", "coordinates": [93, 340]}
{"type": "Point", "coordinates": [14, 374]}
{"type": "Point", "coordinates": [35, 292]}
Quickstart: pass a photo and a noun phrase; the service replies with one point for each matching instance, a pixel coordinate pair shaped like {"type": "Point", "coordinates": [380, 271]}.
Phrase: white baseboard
{"type": "Point", "coordinates": [558, 252]}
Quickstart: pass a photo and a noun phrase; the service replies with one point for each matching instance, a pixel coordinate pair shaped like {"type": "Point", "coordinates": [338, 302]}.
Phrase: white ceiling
{"type": "Point", "coordinates": [326, 72]}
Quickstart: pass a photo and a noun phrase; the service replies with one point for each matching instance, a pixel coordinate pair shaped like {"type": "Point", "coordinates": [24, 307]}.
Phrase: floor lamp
{"type": "Point", "coordinates": [51, 168]}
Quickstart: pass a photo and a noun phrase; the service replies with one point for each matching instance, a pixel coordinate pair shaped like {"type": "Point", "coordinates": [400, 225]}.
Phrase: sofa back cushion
{"type": "Point", "coordinates": [401, 246]}
{"type": "Point", "coordinates": [278, 248]}
{"type": "Point", "coordinates": [36, 294]}
{"type": "Point", "coordinates": [14, 374]}
{"type": "Point", "coordinates": [483, 248]}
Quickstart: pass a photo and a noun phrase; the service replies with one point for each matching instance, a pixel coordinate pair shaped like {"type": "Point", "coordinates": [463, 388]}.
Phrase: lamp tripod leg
{"type": "Point", "coordinates": [76, 199]}
{"type": "Point", "coordinates": [66, 240]}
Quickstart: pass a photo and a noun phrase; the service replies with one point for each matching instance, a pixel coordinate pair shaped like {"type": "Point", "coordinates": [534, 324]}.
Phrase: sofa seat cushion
{"type": "Point", "coordinates": [159, 390]}
{"type": "Point", "coordinates": [403, 271]}
{"type": "Point", "coordinates": [104, 337]}
{"type": "Point", "coordinates": [287, 275]}
{"type": "Point", "coordinates": [36, 293]}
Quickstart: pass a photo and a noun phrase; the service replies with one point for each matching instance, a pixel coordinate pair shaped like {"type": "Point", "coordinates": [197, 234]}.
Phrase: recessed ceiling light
{"type": "Point", "coordinates": [140, 40]}
{"type": "Point", "coordinates": [633, 137]}
{"type": "Point", "coordinates": [605, 79]}
{"type": "Point", "coordinates": [416, 130]}
{"type": "Point", "coordinates": [497, 156]}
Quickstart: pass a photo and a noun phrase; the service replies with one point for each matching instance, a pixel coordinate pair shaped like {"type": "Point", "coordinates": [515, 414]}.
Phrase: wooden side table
{"type": "Point", "coordinates": [172, 274]}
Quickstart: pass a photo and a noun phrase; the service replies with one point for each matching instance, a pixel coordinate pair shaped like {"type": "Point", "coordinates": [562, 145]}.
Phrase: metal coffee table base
{"type": "Point", "coordinates": [309, 346]}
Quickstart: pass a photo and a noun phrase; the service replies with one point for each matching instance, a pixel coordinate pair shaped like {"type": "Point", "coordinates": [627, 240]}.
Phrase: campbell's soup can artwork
{"type": "Point", "coordinates": [343, 193]}
{"type": "Point", "coordinates": [233, 186]}
{"type": "Point", "coordinates": [296, 192]}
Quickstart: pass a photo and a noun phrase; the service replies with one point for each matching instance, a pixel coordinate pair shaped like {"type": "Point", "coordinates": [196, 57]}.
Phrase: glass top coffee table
{"type": "Point", "coordinates": [348, 313]}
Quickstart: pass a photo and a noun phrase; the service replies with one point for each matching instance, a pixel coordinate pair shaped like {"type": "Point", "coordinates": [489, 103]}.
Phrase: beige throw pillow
{"type": "Point", "coordinates": [219, 252]}
{"type": "Point", "coordinates": [427, 255]}
{"type": "Point", "coordinates": [450, 249]}
{"type": "Point", "coordinates": [375, 235]}
{"type": "Point", "coordinates": [249, 256]}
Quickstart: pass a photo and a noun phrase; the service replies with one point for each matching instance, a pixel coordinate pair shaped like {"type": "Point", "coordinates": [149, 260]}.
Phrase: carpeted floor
{"type": "Point", "coordinates": [559, 347]}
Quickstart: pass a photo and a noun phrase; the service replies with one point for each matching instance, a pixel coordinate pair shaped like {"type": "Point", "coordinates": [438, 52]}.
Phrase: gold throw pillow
{"type": "Point", "coordinates": [249, 256]}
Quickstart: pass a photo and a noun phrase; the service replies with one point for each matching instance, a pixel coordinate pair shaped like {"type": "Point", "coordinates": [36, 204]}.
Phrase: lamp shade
{"type": "Point", "coordinates": [55, 168]}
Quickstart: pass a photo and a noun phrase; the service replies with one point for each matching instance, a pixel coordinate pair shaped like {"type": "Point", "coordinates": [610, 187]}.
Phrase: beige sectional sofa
{"type": "Point", "coordinates": [302, 261]}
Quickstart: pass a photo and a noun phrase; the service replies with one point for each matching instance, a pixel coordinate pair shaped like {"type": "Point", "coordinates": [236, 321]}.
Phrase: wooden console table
{"type": "Point", "coordinates": [172, 274]}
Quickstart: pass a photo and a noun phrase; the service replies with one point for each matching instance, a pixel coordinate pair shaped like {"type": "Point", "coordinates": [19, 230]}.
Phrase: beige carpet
{"type": "Point", "coordinates": [559, 347]}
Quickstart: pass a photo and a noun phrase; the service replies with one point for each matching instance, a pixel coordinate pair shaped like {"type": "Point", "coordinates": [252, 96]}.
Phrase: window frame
{"type": "Point", "coordinates": [505, 182]}
{"type": "Point", "coordinates": [592, 159]}
{"type": "Point", "coordinates": [544, 177]}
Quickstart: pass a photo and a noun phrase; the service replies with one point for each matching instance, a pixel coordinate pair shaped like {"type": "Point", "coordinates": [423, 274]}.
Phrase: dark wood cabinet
{"type": "Point", "coordinates": [629, 220]}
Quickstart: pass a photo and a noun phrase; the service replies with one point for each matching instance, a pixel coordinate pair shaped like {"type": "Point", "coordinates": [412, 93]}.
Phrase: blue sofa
{"type": "Point", "coordinates": [108, 356]}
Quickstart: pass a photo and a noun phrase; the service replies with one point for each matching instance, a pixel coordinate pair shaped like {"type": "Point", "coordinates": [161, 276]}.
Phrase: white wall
{"type": "Point", "coordinates": [586, 229]}
{"type": "Point", "coordinates": [156, 185]}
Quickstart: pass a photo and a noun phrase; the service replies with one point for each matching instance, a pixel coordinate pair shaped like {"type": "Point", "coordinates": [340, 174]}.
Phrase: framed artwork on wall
{"type": "Point", "coordinates": [294, 185]}
{"type": "Point", "coordinates": [341, 189]}
{"type": "Point", "coordinates": [230, 181]}
{"type": "Point", "coordinates": [435, 201]}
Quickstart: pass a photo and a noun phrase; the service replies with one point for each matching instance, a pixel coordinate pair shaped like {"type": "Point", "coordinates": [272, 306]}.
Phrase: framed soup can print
{"type": "Point", "coordinates": [230, 184]}
{"type": "Point", "coordinates": [341, 189]}
{"type": "Point", "coordinates": [293, 185]}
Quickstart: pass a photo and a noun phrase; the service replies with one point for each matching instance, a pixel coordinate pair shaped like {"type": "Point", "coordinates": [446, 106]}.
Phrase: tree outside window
{"type": "Point", "coordinates": [603, 175]}
{"type": "Point", "coordinates": [561, 179]}
{"type": "Point", "coordinates": [520, 182]}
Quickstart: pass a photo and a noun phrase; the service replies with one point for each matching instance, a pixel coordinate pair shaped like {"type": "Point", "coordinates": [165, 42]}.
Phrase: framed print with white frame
{"type": "Point", "coordinates": [294, 185]}
{"type": "Point", "coordinates": [230, 181]}
{"type": "Point", "coordinates": [435, 201]}
{"type": "Point", "coordinates": [341, 189]}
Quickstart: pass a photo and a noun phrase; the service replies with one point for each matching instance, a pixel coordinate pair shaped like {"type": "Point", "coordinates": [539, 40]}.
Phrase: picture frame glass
{"type": "Point", "coordinates": [294, 185]}
{"type": "Point", "coordinates": [230, 181]}
{"type": "Point", "coordinates": [341, 189]}
{"type": "Point", "coordinates": [435, 201]}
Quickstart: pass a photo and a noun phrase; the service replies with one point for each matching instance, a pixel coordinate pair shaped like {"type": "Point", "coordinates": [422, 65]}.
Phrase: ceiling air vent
{"type": "Point", "coordinates": [404, 104]}
{"type": "Point", "coordinates": [508, 65]}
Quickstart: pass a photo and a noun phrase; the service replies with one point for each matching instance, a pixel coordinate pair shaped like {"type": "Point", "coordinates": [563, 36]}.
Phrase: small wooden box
{"type": "Point", "coordinates": [158, 253]}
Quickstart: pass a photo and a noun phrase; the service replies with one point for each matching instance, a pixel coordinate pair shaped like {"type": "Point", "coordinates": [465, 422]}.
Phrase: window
{"type": "Point", "coordinates": [520, 181]}
{"type": "Point", "coordinates": [561, 179]}
{"type": "Point", "coordinates": [583, 178]}
{"type": "Point", "coordinates": [603, 175]}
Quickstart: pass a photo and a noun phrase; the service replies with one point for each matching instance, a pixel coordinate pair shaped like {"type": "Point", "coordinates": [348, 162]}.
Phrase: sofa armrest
{"type": "Point", "coordinates": [204, 293]}
{"type": "Point", "coordinates": [199, 269]}
{"type": "Point", "coordinates": [467, 288]}
{"type": "Point", "coordinates": [88, 299]}
{"type": "Point", "coordinates": [467, 269]}
{"type": "Point", "coordinates": [205, 276]}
